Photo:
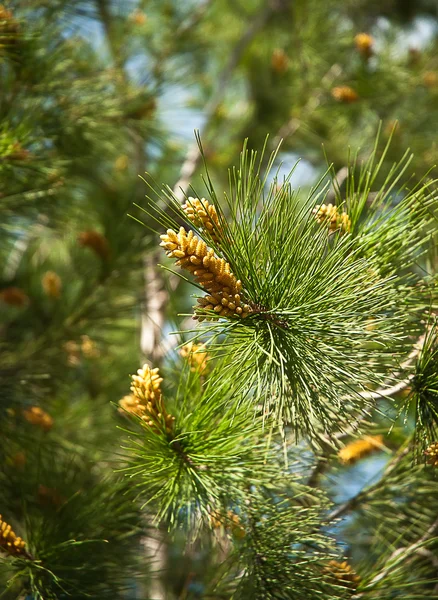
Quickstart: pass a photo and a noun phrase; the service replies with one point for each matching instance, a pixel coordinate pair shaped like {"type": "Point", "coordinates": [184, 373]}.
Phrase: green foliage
{"type": "Point", "coordinates": [82, 527]}
{"type": "Point", "coordinates": [398, 531]}
{"type": "Point", "coordinates": [424, 392]}
{"type": "Point", "coordinates": [283, 551]}
{"type": "Point", "coordinates": [243, 496]}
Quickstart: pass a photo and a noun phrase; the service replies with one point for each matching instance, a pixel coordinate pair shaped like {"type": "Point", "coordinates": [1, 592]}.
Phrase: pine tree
{"type": "Point", "coordinates": [218, 379]}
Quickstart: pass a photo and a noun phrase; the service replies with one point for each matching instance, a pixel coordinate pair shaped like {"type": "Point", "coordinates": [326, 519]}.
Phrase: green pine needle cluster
{"type": "Point", "coordinates": [205, 463]}
{"type": "Point", "coordinates": [424, 390]}
{"type": "Point", "coordinates": [332, 313]}
{"type": "Point", "coordinates": [284, 550]}
{"type": "Point", "coordinates": [79, 524]}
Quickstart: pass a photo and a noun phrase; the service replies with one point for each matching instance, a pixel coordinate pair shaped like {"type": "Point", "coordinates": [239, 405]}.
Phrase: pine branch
{"type": "Point", "coordinates": [279, 340]}
{"type": "Point", "coordinates": [193, 155]}
{"type": "Point", "coordinates": [399, 555]}
{"type": "Point", "coordinates": [196, 15]}
{"type": "Point", "coordinates": [386, 392]}
{"type": "Point", "coordinates": [401, 385]}
{"type": "Point", "coordinates": [292, 126]}
{"type": "Point", "coordinates": [153, 313]}
{"type": "Point", "coordinates": [338, 179]}
{"type": "Point", "coordinates": [323, 461]}
{"type": "Point", "coordinates": [152, 316]}
{"type": "Point", "coordinates": [361, 496]}
{"type": "Point", "coordinates": [105, 17]}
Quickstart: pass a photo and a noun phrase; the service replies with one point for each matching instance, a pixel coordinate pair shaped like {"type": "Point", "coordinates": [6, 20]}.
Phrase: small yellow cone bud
{"type": "Point", "coordinates": [229, 522]}
{"type": "Point", "coordinates": [138, 17]}
{"type": "Point", "coordinates": [279, 61]}
{"type": "Point", "coordinates": [121, 163]}
{"type": "Point", "coordinates": [432, 454]}
{"type": "Point", "coordinates": [88, 347]}
{"type": "Point", "coordinates": [342, 574]}
{"type": "Point", "coordinates": [203, 214]}
{"type": "Point", "coordinates": [329, 214]}
{"type": "Point", "coordinates": [364, 44]}
{"type": "Point", "coordinates": [5, 14]}
{"type": "Point", "coordinates": [196, 355]}
{"type": "Point", "coordinates": [132, 405]}
{"type": "Point", "coordinates": [96, 242]}
{"type": "Point", "coordinates": [345, 94]}
{"type": "Point", "coordinates": [146, 400]}
{"type": "Point", "coordinates": [358, 449]}
{"type": "Point", "coordinates": [14, 296]}
{"type": "Point", "coordinates": [430, 79]}
{"type": "Point", "coordinates": [52, 284]}
{"type": "Point", "coordinates": [37, 416]}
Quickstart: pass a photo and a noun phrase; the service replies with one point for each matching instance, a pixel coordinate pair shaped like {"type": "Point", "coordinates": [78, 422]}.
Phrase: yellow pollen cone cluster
{"type": "Point", "coordinates": [432, 454]}
{"type": "Point", "coordinates": [50, 497]}
{"type": "Point", "coordinates": [344, 93]}
{"type": "Point", "coordinates": [132, 405]}
{"type": "Point", "coordinates": [196, 355]}
{"type": "Point", "coordinates": [430, 79]}
{"type": "Point", "coordinates": [146, 400]}
{"type": "Point", "coordinates": [279, 61]}
{"type": "Point", "coordinates": [230, 522]}
{"type": "Point", "coordinates": [5, 14]}
{"type": "Point", "coordinates": [52, 284]}
{"type": "Point", "coordinates": [203, 214]}
{"type": "Point", "coordinates": [212, 273]}
{"type": "Point", "coordinates": [9, 542]}
{"type": "Point", "coordinates": [360, 448]}
{"type": "Point", "coordinates": [343, 574]}
{"type": "Point", "coordinates": [14, 296]}
{"type": "Point", "coordinates": [37, 416]}
{"type": "Point", "coordinates": [96, 242]}
{"type": "Point", "coordinates": [329, 213]}
{"type": "Point", "coordinates": [364, 44]}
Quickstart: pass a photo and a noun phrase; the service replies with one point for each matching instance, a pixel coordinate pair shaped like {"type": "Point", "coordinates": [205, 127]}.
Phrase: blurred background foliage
{"type": "Point", "coordinates": [94, 93]}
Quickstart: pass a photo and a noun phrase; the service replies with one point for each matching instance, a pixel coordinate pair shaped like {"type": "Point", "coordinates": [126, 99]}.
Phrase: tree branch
{"type": "Point", "coordinates": [292, 126]}
{"type": "Point", "coordinates": [193, 155]}
{"type": "Point", "coordinates": [156, 297]}
{"type": "Point", "coordinates": [353, 502]}
{"type": "Point", "coordinates": [398, 556]}
{"type": "Point", "coordinates": [323, 461]}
